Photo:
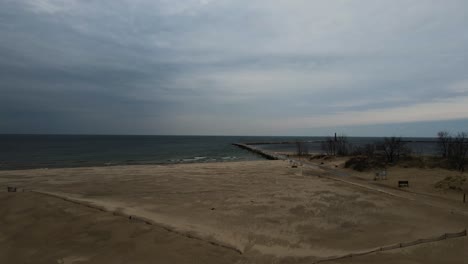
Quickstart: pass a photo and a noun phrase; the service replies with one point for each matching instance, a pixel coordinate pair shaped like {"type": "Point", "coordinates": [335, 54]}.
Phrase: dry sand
{"type": "Point", "coordinates": [40, 229]}
{"type": "Point", "coordinates": [265, 209]}
{"type": "Point", "coordinates": [422, 181]}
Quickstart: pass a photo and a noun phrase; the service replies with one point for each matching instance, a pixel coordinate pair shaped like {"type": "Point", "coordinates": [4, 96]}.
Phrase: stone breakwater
{"type": "Point", "coordinates": [263, 153]}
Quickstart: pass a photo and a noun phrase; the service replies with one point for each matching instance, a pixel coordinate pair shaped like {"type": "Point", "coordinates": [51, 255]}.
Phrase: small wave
{"type": "Point", "coordinates": [194, 159]}
{"type": "Point", "coordinates": [229, 158]}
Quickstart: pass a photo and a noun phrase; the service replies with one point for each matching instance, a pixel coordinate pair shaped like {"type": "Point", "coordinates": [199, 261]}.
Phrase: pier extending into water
{"type": "Point", "coordinates": [418, 146]}
{"type": "Point", "coordinates": [263, 153]}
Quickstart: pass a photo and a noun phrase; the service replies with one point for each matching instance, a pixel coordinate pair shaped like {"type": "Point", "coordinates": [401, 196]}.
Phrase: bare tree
{"type": "Point", "coordinates": [328, 146]}
{"type": "Point", "coordinates": [301, 148]}
{"type": "Point", "coordinates": [337, 146]}
{"type": "Point", "coordinates": [366, 150]}
{"type": "Point", "coordinates": [458, 150]}
{"type": "Point", "coordinates": [342, 145]}
{"type": "Point", "coordinates": [393, 147]}
{"type": "Point", "coordinates": [443, 142]}
{"type": "Point", "coordinates": [369, 150]}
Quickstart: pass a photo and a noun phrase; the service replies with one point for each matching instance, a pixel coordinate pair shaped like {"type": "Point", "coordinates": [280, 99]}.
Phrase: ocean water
{"type": "Point", "coordinates": [54, 151]}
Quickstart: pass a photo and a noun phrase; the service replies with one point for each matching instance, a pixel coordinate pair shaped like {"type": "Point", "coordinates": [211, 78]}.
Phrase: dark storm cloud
{"type": "Point", "coordinates": [206, 67]}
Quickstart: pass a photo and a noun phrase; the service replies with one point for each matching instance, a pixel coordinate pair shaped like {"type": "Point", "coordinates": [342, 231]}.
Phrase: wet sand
{"type": "Point", "coordinates": [266, 210]}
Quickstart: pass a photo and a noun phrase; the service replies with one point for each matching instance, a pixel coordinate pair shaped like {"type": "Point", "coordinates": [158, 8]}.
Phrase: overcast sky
{"type": "Point", "coordinates": [234, 67]}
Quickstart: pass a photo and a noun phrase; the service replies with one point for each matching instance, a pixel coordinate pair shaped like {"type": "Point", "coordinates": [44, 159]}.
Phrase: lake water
{"type": "Point", "coordinates": [52, 151]}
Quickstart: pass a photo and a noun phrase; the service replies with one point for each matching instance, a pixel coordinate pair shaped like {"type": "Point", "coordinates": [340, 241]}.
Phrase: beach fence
{"type": "Point", "coordinates": [395, 246]}
{"type": "Point", "coordinates": [15, 189]}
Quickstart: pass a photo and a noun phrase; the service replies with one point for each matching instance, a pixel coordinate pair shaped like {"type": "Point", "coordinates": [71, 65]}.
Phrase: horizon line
{"type": "Point", "coordinates": [194, 135]}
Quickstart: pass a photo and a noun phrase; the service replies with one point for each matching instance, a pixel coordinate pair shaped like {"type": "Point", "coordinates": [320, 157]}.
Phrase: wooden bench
{"type": "Point", "coordinates": [403, 184]}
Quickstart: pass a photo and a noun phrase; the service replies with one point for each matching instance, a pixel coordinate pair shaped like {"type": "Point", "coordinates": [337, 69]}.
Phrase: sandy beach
{"type": "Point", "coordinates": [233, 132]}
{"type": "Point", "coordinates": [236, 212]}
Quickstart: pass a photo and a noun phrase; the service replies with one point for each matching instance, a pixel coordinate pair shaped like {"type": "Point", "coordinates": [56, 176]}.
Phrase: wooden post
{"type": "Point", "coordinates": [334, 146]}
{"type": "Point", "coordinates": [464, 198]}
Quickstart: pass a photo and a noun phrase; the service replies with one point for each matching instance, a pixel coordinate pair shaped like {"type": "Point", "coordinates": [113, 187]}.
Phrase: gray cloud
{"type": "Point", "coordinates": [229, 67]}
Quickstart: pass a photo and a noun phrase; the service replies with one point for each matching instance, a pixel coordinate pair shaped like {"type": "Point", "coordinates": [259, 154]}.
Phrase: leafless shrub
{"type": "Point", "coordinates": [458, 150]}
{"type": "Point", "coordinates": [394, 148]}
{"type": "Point", "coordinates": [443, 142]}
{"type": "Point", "coordinates": [368, 150]}
{"type": "Point", "coordinates": [328, 146]}
{"type": "Point", "coordinates": [301, 148]}
{"type": "Point", "coordinates": [342, 145]}
{"type": "Point", "coordinates": [337, 146]}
